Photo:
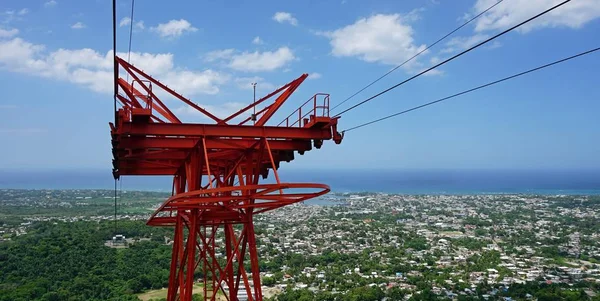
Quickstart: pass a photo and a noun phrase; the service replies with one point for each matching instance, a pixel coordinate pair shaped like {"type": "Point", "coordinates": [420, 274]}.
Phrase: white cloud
{"type": "Point", "coordinates": [283, 17]}
{"type": "Point", "coordinates": [193, 82]}
{"type": "Point", "coordinates": [96, 80]}
{"type": "Point", "coordinates": [433, 72]}
{"type": "Point", "coordinates": [252, 61]}
{"type": "Point", "coordinates": [261, 61]}
{"type": "Point", "coordinates": [174, 28]}
{"type": "Point", "coordinates": [221, 111]}
{"type": "Point", "coordinates": [93, 70]}
{"type": "Point", "coordinates": [152, 63]}
{"type": "Point", "coordinates": [50, 3]}
{"type": "Point", "coordinates": [10, 16]}
{"type": "Point", "coordinates": [64, 59]}
{"type": "Point", "coordinates": [245, 83]}
{"type": "Point", "coordinates": [413, 15]}
{"type": "Point", "coordinates": [125, 21]}
{"type": "Point", "coordinates": [462, 43]}
{"type": "Point", "coordinates": [219, 55]}
{"type": "Point", "coordinates": [380, 38]}
{"type": "Point", "coordinates": [78, 25]}
{"type": "Point", "coordinates": [18, 53]}
{"type": "Point", "coordinates": [494, 45]}
{"type": "Point", "coordinates": [139, 25]}
{"type": "Point", "coordinates": [7, 33]}
{"type": "Point", "coordinates": [573, 14]}
{"type": "Point", "coordinates": [315, 75]}
{"type": "Point", "coordinates": [257, 41]}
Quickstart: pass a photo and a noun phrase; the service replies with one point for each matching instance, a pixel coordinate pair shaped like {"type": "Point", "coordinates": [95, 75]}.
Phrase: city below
{"type": "Point", "coordinates": [366, 246]}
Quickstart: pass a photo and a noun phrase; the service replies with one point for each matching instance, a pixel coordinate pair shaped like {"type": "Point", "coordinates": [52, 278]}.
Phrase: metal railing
{"type": "Point", "coordinates": [146, 98]}
{"type": "Point", "coordinates": [316, 106]}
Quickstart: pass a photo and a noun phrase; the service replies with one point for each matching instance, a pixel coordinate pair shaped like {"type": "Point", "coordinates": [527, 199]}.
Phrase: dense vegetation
{"type": "Point", "coordinates": [68, 261]}
{"type": "Point", "coordinates": [16, 204]}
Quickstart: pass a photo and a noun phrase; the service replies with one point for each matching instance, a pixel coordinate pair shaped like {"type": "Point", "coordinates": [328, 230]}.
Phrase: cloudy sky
{"type": "Point", "coordinates": [56, 77]}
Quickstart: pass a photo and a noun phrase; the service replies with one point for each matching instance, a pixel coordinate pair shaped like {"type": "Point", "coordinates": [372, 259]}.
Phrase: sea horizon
{"type": "Point", "coordinates": [412, 182]}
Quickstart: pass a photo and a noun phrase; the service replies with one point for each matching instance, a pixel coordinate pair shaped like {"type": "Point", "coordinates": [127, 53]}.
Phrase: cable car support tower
{"type": "Point", "coordinates": [216, 167]}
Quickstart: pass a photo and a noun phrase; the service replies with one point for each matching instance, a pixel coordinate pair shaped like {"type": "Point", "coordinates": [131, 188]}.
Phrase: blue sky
{"type": "Point", "coordinates": [56, 79]}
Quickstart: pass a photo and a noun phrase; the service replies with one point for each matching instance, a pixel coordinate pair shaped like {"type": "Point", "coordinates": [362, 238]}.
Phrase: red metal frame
{"type": "Point", "coordinates": [216, 169]}
{"type": "Point", "coordinates": [312, 113]}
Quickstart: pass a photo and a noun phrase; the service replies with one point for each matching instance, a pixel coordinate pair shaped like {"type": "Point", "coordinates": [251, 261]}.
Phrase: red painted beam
{"type": "Point", "coordinates": [148, 167]}
{"type": "Point", "coordinates": [154, 155]}
{"type": "Point", "coordinates": [147, 171]}
{"type": "Point", "coordinates": [166, 155]}
{"type": "Point", "coordinates": [280, 100]}
{"type": "Point", "coordinates": [213, 130]}
{"type": "Point", "coordinates": [188, 143]}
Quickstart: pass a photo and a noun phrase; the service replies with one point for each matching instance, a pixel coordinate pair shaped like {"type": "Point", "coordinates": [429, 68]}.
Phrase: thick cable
{"type": "Point", "coordinates": [418, 53]}
{"type": "Point", "coordinates": [454, 57]}
{"type": "Point", "coordinates": [130, 35]}
{"type": "Point", "coordinates": [130, 31]}
{"type": "Point", "coordinates": [473, 89]}
{"type": "Point", "coordinates": [115, 64]}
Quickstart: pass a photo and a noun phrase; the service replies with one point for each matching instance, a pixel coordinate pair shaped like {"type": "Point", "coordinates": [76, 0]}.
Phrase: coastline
{"type": "Point", "coordinates": [406, 182]}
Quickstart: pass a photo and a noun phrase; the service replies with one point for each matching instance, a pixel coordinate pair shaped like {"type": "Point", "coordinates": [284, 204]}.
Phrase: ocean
{"type": "Point", "coordinates": [388, 181]}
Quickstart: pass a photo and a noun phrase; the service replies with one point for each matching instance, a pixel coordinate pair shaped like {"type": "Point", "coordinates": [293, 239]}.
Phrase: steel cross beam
{"type": "Point", "coordinates": [132, 142]}
{"type": "Point", "coordinates": [230, 131]}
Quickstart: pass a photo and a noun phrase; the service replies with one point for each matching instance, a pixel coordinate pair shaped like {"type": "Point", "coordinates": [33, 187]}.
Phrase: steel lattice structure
{"type": "Point", "coordinates": [216, 169]}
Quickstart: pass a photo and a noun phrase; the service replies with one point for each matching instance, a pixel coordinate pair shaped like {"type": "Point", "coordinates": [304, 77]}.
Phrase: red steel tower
{"type": "Point", "coordinates": [216, 169]}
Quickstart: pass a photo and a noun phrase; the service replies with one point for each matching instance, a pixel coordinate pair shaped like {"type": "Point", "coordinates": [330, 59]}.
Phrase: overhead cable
{"type": "Point", "coordinates": [454, 57]}
{"type": "Point", "coordinates": [130, 30]}
{"type": "Point", "coordinates": [473, 89]}
{"type": "Point", "coordinates": [418, 53]}
{"type": "Point", "coordinates": [115, 64]}
{"type": "Point", "coordinates": [130, 35]}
